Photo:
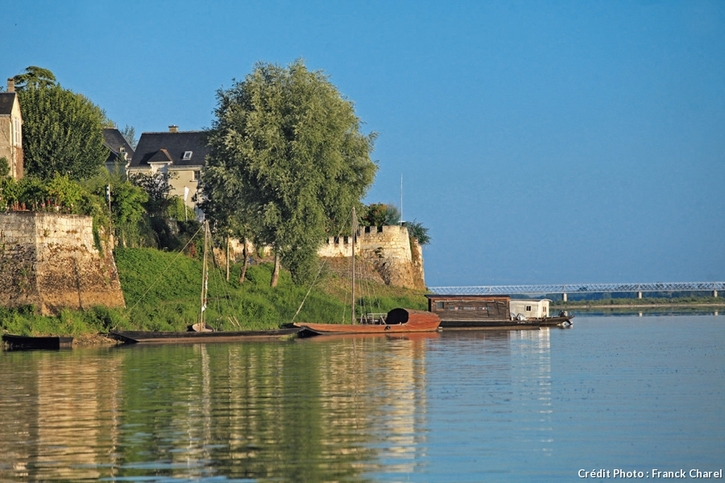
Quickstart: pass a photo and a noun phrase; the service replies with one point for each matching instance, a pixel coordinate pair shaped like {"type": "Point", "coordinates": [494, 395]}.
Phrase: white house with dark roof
{"type": "Point", "coordinates": [181, 154]}
{"type": "Point", "coordinates": [11, 131]}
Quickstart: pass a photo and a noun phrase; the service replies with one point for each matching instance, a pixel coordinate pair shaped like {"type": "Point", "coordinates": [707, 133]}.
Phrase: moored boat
{"type": "Point", "coordinates": [396, 321]}
{"type": "Point", "coordinates": [191, 337]}
{"type": "Point", "coordinates": [22, 342]}
{"type": "Point", "coordinates": [492, 312]}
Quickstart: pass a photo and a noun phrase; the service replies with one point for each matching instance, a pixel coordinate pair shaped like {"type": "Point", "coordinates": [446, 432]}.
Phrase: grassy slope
{"type": "Point", "coordinates": [162, 292]}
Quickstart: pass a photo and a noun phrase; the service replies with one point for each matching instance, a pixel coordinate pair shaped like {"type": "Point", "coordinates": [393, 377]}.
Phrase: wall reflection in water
{"type": "Point", "coordinates": [324, 410]}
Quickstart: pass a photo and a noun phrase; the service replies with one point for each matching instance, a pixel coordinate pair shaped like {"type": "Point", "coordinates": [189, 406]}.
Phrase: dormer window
{"type": "Point", "coordinates": [187, 155]}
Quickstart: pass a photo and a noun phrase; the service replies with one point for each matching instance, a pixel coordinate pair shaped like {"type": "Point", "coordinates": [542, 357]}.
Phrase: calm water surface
{"type": "Point", "coordinates": [612, 393]}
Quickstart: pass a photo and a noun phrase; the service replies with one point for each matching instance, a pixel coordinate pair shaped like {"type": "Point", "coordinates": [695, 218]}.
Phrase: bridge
{"type": "Point", "coordinates": [582, 288]}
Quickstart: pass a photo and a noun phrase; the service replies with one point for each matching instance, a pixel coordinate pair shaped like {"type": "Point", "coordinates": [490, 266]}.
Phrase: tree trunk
{"type": "Point", "coordinates": [275, 273]}
{"type": "Point", "coordinates": [245, 264]}
{"type": "Point", "coordinates": [227, 257]}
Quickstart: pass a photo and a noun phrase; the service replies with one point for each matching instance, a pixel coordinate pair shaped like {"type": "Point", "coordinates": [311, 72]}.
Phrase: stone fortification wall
{"type": "Point", "coordinates": [397, 259]}
{"type": "Point", "coordinates": [49, 261]}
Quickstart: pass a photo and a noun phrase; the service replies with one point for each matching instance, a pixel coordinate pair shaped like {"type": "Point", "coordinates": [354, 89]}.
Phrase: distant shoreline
{"type": "Point", "coordinates": [569, 306]}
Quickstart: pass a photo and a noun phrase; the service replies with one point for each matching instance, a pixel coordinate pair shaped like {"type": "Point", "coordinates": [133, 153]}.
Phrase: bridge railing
{"type": "Point", "coordinates": [580, 288]}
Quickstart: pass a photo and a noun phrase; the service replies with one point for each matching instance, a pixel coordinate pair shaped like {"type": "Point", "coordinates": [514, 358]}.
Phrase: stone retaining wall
{"type": "Point", "coordinates": [49, 261]}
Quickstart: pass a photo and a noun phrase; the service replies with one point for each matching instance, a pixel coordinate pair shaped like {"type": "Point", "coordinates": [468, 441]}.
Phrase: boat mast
{"type": "Point", "coordinates": [354, 234]}
{"type": "Point", "coordinates": [204, 278]}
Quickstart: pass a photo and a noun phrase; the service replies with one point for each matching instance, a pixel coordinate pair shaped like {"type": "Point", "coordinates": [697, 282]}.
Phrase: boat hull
{"type": "Point", "coordinates": [398, 321]}
{"type": "Point", "coordinates": [138, 337]}
{"type": "Point", "coordinates": [489, 324]}
{"type": "Point", "coordinates": [507, 323]}
{"type": "Point", "coordinates": [20, 342]}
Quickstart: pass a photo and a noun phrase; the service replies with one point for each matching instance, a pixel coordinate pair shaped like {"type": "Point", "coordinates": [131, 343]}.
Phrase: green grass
{"type": "Point", "coordinates": [162, 292]}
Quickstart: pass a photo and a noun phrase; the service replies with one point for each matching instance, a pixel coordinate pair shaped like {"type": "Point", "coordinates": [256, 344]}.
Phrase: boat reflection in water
{"type": "Point", "coordinates": [302, 411]}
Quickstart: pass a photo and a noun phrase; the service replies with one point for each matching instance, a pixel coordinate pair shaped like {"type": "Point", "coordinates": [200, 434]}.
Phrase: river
{"type": "Point", "coordinates": [627, 395]}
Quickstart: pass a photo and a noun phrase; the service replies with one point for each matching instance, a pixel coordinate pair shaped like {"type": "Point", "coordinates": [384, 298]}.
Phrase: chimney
{"type": "Point", "coordinates": [11, 85]}
{"type": "Point", "coordinates": [173, 128]}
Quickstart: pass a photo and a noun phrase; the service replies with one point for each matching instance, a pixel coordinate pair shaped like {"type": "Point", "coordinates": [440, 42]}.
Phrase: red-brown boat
{"type": "Point", "coordinates": [397, 321]}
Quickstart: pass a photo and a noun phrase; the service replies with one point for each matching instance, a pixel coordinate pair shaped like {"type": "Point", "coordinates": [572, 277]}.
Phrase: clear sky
{"type": "Point", "coordinates": [539, 141]}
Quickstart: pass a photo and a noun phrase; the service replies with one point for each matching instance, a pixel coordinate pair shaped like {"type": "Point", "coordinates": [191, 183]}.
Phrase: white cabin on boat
{"type": "Point", "coordinates": [536, 309]}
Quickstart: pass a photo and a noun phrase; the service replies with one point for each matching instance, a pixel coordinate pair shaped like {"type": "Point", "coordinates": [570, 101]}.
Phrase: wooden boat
{"type": "Point", "coordinates": [143, 337]}
{"type": "Point", "coordinates": [488, 312]}
{"type": "Point", "coordinates": [397, 321]}
{"type": "Point", "coordinates": [21, 342]}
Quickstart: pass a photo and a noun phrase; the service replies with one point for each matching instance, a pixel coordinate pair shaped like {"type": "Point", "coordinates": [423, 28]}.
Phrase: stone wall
{"type": "Point", "coordinates": [50, 261]}
{"type": "Point", "coordinates": [397, 259]}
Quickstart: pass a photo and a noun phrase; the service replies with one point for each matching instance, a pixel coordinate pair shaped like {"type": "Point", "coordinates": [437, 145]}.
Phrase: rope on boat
{"type": "Point", "coordinates": [309, 290]}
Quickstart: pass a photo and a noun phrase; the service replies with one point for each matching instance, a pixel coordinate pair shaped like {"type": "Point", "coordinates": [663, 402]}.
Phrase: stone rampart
{"type": "Point", "coordinates": [50, 261]}
{"type": "Point", "coordinates": [397, 259]}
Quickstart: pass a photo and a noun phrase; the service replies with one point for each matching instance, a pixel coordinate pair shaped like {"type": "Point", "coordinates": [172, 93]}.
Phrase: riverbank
{"type": "Point", "coordinates": [162, 293]}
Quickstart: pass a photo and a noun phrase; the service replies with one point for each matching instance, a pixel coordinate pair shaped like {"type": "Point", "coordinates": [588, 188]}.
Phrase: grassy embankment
{"type": "Point", "coordinates": [162, 292]}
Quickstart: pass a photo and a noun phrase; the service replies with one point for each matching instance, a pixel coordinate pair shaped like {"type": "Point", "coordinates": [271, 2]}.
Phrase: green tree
{"type": "Point", "coordinates": [158, 188]}
{"type": "Point", "coordinates": [129, 134]}
{"type": "Point", "coordinates": [62, 133]}
{"type": "Point", "coordinates": [287, 156]}
{"type": "Point", "coordinates": [36, 77]}
{"type": "Point", "coordinates": [380, 214]}
{"type": "Point", "coordinates": [418, 231]}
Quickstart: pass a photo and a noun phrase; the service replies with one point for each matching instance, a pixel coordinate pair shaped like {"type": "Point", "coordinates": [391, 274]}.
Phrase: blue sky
{"type": "Point", "coordinates": [539, 141]}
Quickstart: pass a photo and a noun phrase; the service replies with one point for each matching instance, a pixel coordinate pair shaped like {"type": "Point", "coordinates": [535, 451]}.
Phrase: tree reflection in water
{"type": "Point", "coordinates": [298, 411]}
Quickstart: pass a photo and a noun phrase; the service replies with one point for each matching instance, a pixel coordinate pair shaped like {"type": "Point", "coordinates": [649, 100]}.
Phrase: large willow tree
{"type": "Point", "coordinates": [287, 160]}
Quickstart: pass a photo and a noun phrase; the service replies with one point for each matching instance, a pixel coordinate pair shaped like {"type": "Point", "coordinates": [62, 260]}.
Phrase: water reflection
{"type": "Point", "coordinates": [455, 406]}
{"type": "Point", "coordinates": [57, 411]}
{"type": "Point", "coordinates": [292, 411]}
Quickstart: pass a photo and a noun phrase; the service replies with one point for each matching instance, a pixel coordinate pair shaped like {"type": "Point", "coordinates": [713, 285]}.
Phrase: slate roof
{"type": "Point", "coordinates": [114, 141]}
{"type": "Point", "coordinates": [6, 103]}
{"type": "Point", "coordinates": [170, 147]}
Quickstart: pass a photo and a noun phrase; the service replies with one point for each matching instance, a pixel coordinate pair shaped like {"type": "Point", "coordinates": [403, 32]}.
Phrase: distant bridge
{"type": "Point", "coordinates": [582, 288]}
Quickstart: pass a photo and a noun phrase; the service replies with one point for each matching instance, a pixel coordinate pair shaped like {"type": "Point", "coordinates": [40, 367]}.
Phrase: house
{"type": "Point", "coordinates": [120, 152]}
{"type": "Point", "coordinates": [11, 134]}
{"type": "Point", "coordinates": [181, 154]}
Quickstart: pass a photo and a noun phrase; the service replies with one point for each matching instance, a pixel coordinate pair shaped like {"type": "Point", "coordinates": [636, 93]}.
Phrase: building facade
{"type": "Point", "coordinates": [11, 131]}
{"type": "Point", "coordinates": [180, 154]}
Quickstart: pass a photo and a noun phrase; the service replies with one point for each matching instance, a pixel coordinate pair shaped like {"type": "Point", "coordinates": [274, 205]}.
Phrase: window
{"type": "Point", "coordinates": [17, 138]}
{"type": "Point", "coordinates": [187, 155]}
{"type": "Point", "coordinates": [439, 305]}
{"type": "Point", "coordinates": [195, 175]}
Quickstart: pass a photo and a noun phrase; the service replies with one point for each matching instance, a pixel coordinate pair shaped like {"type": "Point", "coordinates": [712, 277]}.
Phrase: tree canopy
{"type": "Point", "coordinates": [34, 76]}
{"type": "Point", "coordinates": [62, 130]}
{"type": "Point", "coordinates": [288, 159]}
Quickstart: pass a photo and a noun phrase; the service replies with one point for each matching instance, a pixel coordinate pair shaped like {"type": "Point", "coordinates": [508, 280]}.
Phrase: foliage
{"type": "Point", "coordinates": [34, 77]}
{"type": "Point", "coordinates": [60, 194]}
{"type": "Point", "coordinates": [129, 134]}
{"type": "Point", "coordinates": [417, 231]}
{"type": "Point", "coordinates": [380, 214]}
{"type": "Point", "coordinates": [158, 188]}
{"type": "Point", "coordinates": [287, 158]}
{"type": "Point", "coordinates": [4, 167]}
{"type": "Point", "coordinates": [62, 133]}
